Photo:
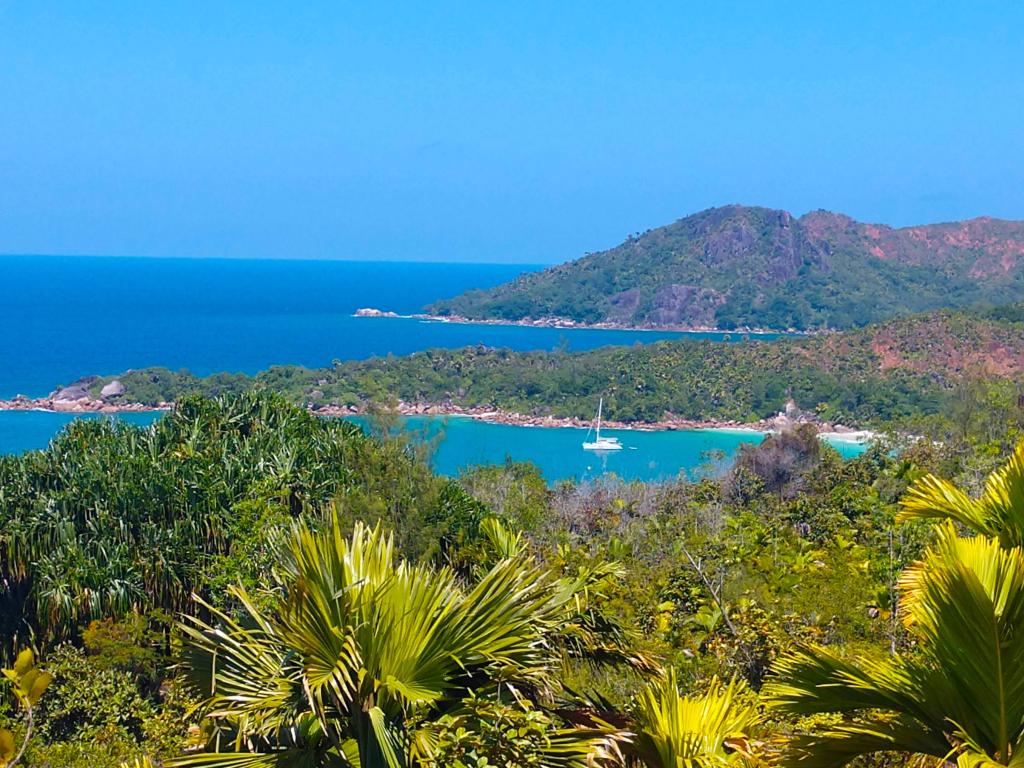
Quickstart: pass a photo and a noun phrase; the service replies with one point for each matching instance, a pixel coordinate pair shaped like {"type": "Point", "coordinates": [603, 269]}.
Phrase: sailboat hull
{"type": "Point", "coordinates": [603, 445]}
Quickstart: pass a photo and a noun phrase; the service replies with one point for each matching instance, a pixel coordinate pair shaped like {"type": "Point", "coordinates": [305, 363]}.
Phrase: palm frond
{"type": "Point", "coordinates": [998, 512]}
{"type": "Point", "coordinates": [964, 605]}
{"type": "Point", "coordinates": [701, 731]}
{"type": "Point", "coordinates": [362, 645]}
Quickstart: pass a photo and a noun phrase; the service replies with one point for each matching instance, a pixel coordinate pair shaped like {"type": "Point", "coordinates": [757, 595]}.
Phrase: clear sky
{"type": "Point", "coordinates": [519, 131]}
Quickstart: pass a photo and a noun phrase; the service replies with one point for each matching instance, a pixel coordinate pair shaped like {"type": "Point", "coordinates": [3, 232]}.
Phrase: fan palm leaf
{"type": "Point", "coordinates": [367, 646]}
{"type": "Point", "coordinates": [998, 512]}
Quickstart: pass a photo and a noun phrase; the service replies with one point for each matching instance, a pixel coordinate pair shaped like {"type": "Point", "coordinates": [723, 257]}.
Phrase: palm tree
{"type": "Point", "coordinates": [710, 730]}
{"type": "Point", "coordinates": [365, 651]}
{"type": "Point", "coordinates": [998, 512]}
{"type": "Point", "coordinates": [960, 696]}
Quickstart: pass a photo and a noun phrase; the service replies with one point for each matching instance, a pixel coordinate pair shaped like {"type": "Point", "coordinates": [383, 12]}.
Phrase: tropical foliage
{"type": "Point", "coordinates": [112, 519]}
{"type": "Point", "coordinates": [997, 513]}
{"type": "Point", "coordinates": [364, 654]}
{"type": "Point", "coordinates": [353, 608]}
{"type": "Point", "coordinates": [28, 684]}
{"type": "Point", "coordinates": [708, 730]}
{"type": "Point", "coordinates": [912, 372]}
{"type": "Point", "coordinates": [960, 694]}
{"type": "Point", "coordinates": [897, 373]}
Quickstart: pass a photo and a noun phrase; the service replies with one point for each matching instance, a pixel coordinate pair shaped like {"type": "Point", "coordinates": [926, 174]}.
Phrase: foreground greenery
{"type": "Point", "coordinates": [903, 372]}
{"type": "Point", "coordinates": [112, 519]}
{"type": "Point", "coordinates": [960, 692]}
{"type": "Point", "coordinates": [351, 608]}
{"type": "Point", "coordinates": [363, 655]}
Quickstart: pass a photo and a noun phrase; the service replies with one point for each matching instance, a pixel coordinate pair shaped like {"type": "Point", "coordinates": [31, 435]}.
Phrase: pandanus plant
{"type": "Point", "coordinates": [960, 695]}
{"type": "Point", "coordinates": [365, 652]}
{"type": "Point", "coordinates": [112, 519]}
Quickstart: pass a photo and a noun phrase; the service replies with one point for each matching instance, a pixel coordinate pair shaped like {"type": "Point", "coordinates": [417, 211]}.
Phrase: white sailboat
{"type": "Point", "coordinates": [601, 443]}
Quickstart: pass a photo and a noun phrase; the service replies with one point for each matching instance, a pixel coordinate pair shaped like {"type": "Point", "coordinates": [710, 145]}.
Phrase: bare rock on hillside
{"type": "Point", "coordinates": [76, 390]}
{"type": "Point", "coordinates": [111, 390]}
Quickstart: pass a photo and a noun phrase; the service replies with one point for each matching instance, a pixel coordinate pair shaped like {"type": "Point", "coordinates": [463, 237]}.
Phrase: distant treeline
{"type": "Point", "coordinates": [890, 373]}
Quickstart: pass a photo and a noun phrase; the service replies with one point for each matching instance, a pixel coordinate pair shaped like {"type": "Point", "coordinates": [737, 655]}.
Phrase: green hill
{"type": "Point", "coordinates": [738, 266]}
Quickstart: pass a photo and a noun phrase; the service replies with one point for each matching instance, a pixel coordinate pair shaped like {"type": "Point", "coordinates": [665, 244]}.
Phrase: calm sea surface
{"type": "Point", "coordinates": [465, 442]}
{"type": "Point", "coordinates": [65, 317]}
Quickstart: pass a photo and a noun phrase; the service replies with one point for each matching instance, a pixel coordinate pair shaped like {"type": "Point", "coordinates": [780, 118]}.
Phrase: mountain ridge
{"type": "Point", "coordinates": [747, 266]}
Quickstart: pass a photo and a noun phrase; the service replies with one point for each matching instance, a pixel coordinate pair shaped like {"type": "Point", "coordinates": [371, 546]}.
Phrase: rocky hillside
{"type": "Point", "coordinates": [943, 345]}
{"type": "Point", "coordinates": [740, 266]}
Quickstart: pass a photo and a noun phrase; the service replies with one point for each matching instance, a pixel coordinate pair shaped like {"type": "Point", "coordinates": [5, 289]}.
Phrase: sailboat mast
{"type": "Point", "coordinates": [600, 405]}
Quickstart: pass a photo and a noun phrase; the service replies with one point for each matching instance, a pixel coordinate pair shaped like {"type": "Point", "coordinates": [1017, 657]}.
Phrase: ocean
{"type": "Point", "coordinates": [66, 317]}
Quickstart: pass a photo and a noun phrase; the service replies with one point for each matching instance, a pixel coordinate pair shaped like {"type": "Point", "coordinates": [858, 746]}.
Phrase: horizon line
{"type": "Point", "coordinates": [305, 259]}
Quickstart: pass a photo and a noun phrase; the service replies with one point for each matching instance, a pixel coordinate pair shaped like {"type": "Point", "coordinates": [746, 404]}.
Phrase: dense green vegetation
{"type": "Point", "coordinates": [961, 692]}
{"type": "Point", "coordinates": [690, 380]}
{"type": "Point", "coordinates": [105, 537]}
{"type": "Point", "coordinates": [113, 519]}
{"type": "Point", "coordinates": [892, 373]}
{"type": "Point", "coordinates": [352, 609]}
{"type": "Point", "coordinates": [738, 266]}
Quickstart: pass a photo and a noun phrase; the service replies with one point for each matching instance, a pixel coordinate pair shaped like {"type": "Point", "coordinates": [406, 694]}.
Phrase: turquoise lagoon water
{"type": "Point", "coordinates": [22, 431]}
{"type": "Point", "coordinates": [465, 442]}
{"type": "Point", "coordinates": [559, 454]}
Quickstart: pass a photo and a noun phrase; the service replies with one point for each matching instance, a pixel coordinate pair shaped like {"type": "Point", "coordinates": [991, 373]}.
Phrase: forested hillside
{"type": "Point", "coordinates": [891, 372]}
{"type": "Point", "coordinates": [740, 266]}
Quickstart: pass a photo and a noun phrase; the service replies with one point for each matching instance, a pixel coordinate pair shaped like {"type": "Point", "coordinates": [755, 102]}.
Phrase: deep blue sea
{"type": "Point", "coordinates": [65, 317]}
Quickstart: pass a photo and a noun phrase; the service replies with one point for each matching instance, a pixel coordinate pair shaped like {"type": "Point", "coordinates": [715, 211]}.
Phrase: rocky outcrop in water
{"type": "Point", "coordinates": [76, 390]}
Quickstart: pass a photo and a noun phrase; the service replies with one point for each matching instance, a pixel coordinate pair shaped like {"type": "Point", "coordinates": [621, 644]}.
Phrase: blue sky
{"type": "Point", "coordinates": [522, 132]}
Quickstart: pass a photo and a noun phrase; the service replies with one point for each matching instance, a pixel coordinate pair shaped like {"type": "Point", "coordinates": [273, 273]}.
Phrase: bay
{"type": "Point", "coordinates": [22, 431]}
{"type": "Point", "coordinates": [65, 317]}
{"type": "Point", "coordinates": [460, 442]}
{"type": "Point", "coordinates": [558, 452]}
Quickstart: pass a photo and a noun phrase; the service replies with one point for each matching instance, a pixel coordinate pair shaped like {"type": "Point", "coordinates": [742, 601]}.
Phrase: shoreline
{"type": "Point", "coordinates": [833, 432]}
{"type": "Point", "coordinates": [77, 406]}
{"type": "Point", "coordinates": [566, 324]}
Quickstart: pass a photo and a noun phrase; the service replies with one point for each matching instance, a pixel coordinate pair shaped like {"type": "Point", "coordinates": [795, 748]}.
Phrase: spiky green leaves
{"type": "Point", "coordinates": [998, 512]}
{"type": "Point", "coordinates": [708, 730]}
{"type": "Point", "coordinates": [963, 694]}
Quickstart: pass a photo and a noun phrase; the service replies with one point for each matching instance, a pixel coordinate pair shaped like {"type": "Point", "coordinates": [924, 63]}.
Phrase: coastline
{"type": "Point", "coordinates": [77, 405]}
{"type": "Point", "coordinates": [832, 432]}
{"type": "Point", "coordinates": [564, 323]}
{"type": "Point", "coordinates": [855, 437]}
